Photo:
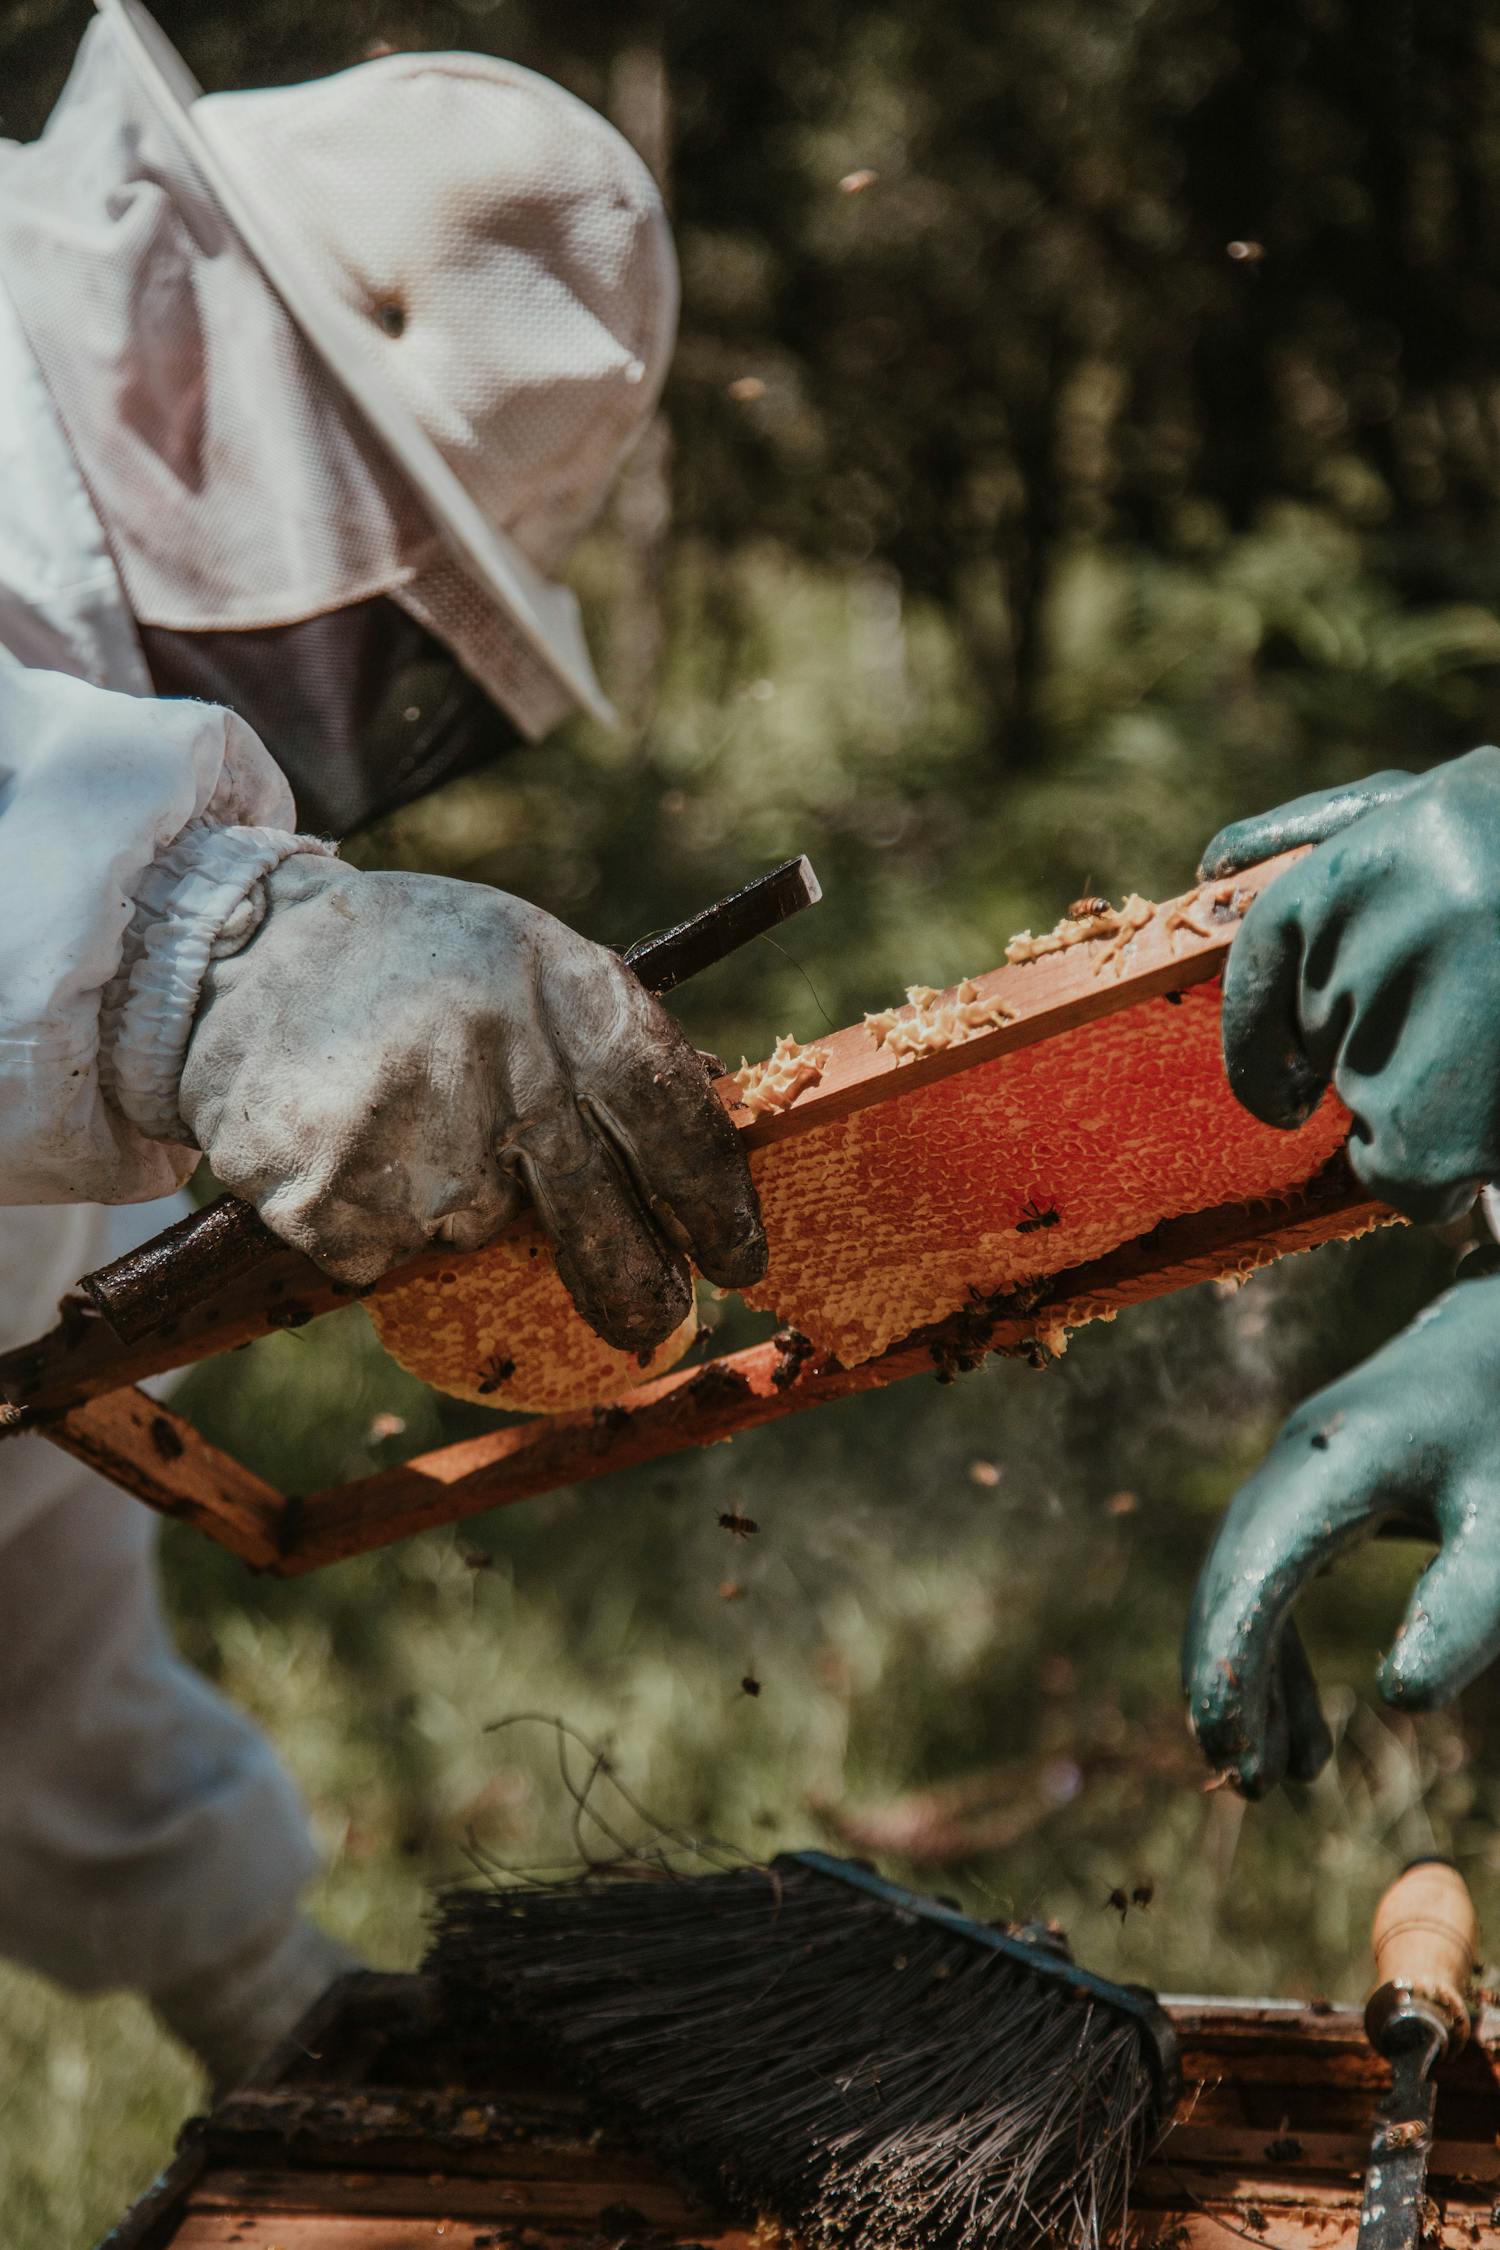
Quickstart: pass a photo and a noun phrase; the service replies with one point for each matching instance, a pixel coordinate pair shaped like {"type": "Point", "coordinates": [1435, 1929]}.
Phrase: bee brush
{"type": "Point", "coordinates": [809, 2041]}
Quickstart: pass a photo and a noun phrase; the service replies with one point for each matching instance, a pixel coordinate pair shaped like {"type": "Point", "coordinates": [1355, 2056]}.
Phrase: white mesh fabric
{"type": "Point", "coordinates": [499, 253]}
{"type": "Point", "coordinates": [235, 488]}
{"type": "Point", "coordinates": [518, 235]}
{"type": "Point", "coordinates": [464, 618]}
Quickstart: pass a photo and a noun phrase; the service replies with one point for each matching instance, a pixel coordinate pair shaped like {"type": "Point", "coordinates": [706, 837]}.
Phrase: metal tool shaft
{"type": "Point", "coordinates": [1390, 2216]}
{"type": "Point", "coordinates": [668, 958]}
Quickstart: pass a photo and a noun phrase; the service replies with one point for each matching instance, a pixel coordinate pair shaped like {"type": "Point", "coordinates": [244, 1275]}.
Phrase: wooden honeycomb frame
{"type": "Point", "coordinates": [77, 1385]}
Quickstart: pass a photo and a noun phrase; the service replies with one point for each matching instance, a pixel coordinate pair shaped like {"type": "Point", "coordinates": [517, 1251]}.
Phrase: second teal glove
{"type": "Point", "coordinates": [1413, 1433]}
{"type": "Point", "coordinates": [1374, 965]}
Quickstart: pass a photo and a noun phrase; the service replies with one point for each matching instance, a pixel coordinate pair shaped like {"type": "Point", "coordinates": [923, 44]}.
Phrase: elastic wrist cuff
{"type": "Point", "coordinates": [197, 901]}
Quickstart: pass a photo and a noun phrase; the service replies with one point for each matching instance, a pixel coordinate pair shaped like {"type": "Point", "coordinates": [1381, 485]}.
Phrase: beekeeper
{"type": "Point", "coordinates": [1373, 966]}
{"type": "Point", "coordinates": [304, 397]}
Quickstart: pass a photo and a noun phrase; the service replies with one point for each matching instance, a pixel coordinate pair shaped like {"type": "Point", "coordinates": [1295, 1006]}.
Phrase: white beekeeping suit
{"type": "Point", "coordinates": [303, 396]}
{"type": "Point", "coordinates": [148, 1836]}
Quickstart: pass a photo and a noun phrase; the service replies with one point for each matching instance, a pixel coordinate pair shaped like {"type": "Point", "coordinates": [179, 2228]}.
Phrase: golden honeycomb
{"type": "Point", "coordinates": [885, 1219]}
{"type": "Point", "coordinates": [498, 1327]}
{"type": "Point", "coordinates": [882, 1221]}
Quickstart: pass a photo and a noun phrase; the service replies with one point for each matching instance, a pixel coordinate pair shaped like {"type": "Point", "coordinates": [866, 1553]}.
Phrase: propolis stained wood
{"type": "Point", "coordinates": [377, 2127]}
{"type": "Point", "coordinates": [1051, 1110]}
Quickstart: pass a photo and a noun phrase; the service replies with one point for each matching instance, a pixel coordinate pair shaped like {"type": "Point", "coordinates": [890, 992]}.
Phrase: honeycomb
{"type": "Point", "coordinates": [498, 1327]}
{"type": "Point", "coordinates": [884, 1219]}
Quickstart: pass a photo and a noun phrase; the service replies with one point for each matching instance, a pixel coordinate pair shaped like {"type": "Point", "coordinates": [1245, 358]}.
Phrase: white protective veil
{"type": "Point", "coordinates": [389, 333]}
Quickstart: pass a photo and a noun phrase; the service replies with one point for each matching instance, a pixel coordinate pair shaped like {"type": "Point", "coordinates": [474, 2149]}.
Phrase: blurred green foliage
{"type": "Point", "coordinates": [1006, 535]}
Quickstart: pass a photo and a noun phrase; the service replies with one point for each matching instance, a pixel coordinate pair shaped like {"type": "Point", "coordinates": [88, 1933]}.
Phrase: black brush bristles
{"type": "Point", "coordinates": [800, 2048]}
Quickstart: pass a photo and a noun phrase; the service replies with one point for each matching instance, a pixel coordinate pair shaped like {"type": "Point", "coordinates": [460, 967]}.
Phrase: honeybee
{"type": "Point", "coordinates": [1140, 1894]}
{"type": "Point", "coordinates": [1088, 909]}
{"type": "Point", "coordinates": [738, 1526]}
{"type": "Point", "coordinates": [1035, 1215]}
{"type": "Point", "coordinates": [494, 1371]}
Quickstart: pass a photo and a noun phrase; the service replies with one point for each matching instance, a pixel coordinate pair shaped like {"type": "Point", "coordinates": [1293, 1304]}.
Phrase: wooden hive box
{"type": "Point", "coordinates": [373, 2128]}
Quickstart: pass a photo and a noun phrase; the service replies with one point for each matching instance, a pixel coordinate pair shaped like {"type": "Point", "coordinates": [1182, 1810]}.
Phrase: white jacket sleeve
{"type": "Point", "coordinates": [131, 833]}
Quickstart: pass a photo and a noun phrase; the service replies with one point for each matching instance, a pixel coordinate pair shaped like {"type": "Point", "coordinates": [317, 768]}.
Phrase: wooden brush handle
{"type": "Point", "coordinates": [1426, 1940]}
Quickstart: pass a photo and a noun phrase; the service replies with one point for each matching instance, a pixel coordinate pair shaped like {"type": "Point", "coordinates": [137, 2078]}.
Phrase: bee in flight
{"type": "Point", "coordinates": [1140, 1894]}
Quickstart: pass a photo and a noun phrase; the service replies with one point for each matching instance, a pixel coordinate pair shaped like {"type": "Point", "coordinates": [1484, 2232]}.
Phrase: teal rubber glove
{"type": "Point", "coordinates": [1374, 965]}
{"type": "Point", "coordinates": [1412, 1434]}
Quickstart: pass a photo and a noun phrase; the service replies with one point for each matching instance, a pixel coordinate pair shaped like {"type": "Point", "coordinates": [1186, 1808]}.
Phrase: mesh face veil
{"type": "Point", "coordinates": [387, 335]}
{"type": "Point", "coordinates": [363, 709]}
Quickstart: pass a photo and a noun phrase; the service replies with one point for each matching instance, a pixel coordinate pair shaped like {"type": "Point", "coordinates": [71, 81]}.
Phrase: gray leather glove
{"type": "Point", "coordinates": [397, 1058]}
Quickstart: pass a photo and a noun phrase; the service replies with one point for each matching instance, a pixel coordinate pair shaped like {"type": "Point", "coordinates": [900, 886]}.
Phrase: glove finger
{"type": "Point", "coordinates": [1309, 1743]}
{"type": "Point", "coordinates": [419, 1164]}
{"type": "Point", "coordinates": [685, 1156]}
{"type": "Point", "coordinates": [1306, 820]}
{"type": "Point", "coordinates": [630, 1286]}
{"type": "Point", "coordinates": [649, 1093]}
{"type": "Point", "coordinates": [1271, 1768]}
{"type": "Point", "coordinates": [1434, 1204]}
{"type": "Point", "coordinates": [1323, 1486]}
{"type": "Point", "coordinates": [1297, 1742]}
{"type": "Point", "coordinates": [357, 1227]}
{"type": "Point", "coordinates": [1451, 1630]}
{"type": "Point", "coordinates": [468, 1219]}
{"type": "Point", "coordinates": [1265, 1061]}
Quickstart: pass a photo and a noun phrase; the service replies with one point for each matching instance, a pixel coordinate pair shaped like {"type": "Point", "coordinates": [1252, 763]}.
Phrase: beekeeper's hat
{"type": "Point", "coordinates": [483, 266]}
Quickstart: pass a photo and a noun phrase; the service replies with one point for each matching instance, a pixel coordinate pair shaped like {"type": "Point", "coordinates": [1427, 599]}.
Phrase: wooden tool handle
{"type": "Point", "coordinates": [187, 1262]}
{"type": "Point", "coordinates": [1426, 1941]}
{"type": "Point", "coordinates": [180, 1267]}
